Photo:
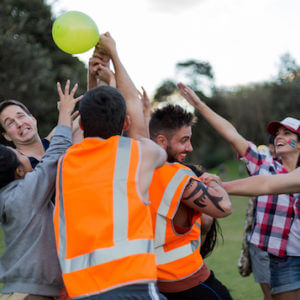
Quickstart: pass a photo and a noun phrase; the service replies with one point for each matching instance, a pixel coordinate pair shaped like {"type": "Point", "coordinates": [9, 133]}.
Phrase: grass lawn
{"type": "Point", "coordinates": [223, 261]}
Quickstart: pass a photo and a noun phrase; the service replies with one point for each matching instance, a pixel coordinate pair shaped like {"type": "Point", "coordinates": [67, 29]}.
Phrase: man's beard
{"type": "Point", "coordinates": [171, 156]}
{"type": "Point", "coordinates": [171, 159]}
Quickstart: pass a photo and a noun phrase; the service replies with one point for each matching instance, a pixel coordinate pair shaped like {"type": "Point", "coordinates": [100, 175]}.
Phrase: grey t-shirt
{"type": "Point", "coordinates": [29, 263]}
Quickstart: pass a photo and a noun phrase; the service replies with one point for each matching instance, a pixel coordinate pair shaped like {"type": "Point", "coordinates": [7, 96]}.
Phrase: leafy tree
{"type": "Point", "coordinates": [199, 74]}
{"type": "Point", "coordinates": [30, 62]}
{"type": "Point", "coordinates": [286, 89]}
{"type": "Point", "coordinates": [166, 89]}
{"type": "Point", "coordinates": [249, 108]}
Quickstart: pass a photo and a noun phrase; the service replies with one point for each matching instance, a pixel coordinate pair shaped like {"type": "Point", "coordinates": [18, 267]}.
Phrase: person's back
{"type": "Point", "coordinates": [103, 227]}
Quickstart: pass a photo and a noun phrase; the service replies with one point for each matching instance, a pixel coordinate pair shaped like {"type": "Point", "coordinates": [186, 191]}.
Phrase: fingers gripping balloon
{"type": "Point", "coordinates": [75, 32]}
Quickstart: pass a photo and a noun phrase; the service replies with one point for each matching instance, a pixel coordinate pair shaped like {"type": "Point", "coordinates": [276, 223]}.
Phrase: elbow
{"type": "Point", "coordinates": [227, 210]}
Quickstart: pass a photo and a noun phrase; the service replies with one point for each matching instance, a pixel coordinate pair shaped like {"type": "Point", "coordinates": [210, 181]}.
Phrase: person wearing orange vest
{"type": "Point", "coordinates": [178, 199]}
{"type": "Point", "coordinates": [102, 222]}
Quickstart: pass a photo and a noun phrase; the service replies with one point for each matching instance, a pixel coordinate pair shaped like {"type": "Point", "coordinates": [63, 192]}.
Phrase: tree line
{"type": "Point", "coordinates": [249, 107]}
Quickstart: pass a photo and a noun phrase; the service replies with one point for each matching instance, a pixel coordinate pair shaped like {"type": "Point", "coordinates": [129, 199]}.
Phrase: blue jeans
{"type": "Point", "coordinates": [285, 274]}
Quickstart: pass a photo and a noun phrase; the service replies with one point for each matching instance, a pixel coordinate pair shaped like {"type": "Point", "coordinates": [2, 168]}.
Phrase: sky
{"type": "Point", "coordinates": [242, 39]}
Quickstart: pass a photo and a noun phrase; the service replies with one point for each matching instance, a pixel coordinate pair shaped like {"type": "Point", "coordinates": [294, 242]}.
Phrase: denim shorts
{"type": "Point", "coordinates": [260, 264]}
{"type": "Point", "coordinates": [285, 274]}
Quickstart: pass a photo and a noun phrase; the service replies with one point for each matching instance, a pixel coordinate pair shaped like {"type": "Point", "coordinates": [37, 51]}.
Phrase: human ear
{"type": "Point", "coordinates": [127, 122]}
{"type": "Point", "coordinates": [20, 172]}
{"type": "Point", "coordinates": [162, 141]}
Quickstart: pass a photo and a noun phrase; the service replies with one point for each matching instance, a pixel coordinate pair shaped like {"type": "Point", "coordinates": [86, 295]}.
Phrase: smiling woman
{"type": "Point", "coordinates": [287, 141]}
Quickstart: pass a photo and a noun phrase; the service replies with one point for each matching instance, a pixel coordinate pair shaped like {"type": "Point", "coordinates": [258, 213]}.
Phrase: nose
{"type": "Point", "coordinates": [189, 147]}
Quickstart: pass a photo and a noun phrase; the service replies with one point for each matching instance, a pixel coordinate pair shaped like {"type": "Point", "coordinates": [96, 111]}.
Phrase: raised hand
{"type": "Point", "coordinates": [106, 75]}
{"type": "Point", "coordinates": [207, 178]}
{"type": "Point", "coordinates": [107, 45]}
{"type": "Point", "coordinates": [189, 95]}
{"type": "Point", "coordinates": [66, 103]}
{"type": "Point", "coordinates": [146, 103]}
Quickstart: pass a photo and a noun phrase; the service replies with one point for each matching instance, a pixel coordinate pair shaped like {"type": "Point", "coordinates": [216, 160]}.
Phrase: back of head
{"type": "Point", "coordinates": [102, 111]}
{"type": "Point", "coordinates": [168, 119]}
{"type": "Point", "coordinates": [8, 165]}
{"type": "Point", "coordinates": [7, 103]}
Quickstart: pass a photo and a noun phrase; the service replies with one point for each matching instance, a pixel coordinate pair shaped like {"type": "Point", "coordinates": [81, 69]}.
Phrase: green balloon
{"type": "Point", "coordinates": [75, 32]}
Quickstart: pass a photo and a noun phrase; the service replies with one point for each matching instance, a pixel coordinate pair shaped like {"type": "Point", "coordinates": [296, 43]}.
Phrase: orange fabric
{"type": "Point", "coordinates": [87, 186]}
{"type": "Point", "coordinates": [191, 263]}
{"type": "Point", "coordinates": [110, 275]}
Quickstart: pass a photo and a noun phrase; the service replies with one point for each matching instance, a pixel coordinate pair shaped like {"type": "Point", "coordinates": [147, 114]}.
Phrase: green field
{"type": "Point", "coordinates": [224, 259]}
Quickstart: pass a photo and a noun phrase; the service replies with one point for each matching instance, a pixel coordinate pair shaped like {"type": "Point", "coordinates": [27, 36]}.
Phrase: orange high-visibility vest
{"type": "Point", "coordinates": [177, 255]}
{"type": "Point", "coordinates": [103, 229]}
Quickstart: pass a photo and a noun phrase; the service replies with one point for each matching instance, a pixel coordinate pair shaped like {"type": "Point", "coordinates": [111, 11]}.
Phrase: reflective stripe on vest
{"type": "Point", "coordinates": [163, 256]}
{"type": "Point", "coordinates": [120, 205]}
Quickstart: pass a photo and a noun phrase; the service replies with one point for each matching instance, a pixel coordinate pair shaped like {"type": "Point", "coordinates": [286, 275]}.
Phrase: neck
{"type": "Point", "coordinates": [34, 149]}
{"type": "Point", "coordinates": [290, 161]}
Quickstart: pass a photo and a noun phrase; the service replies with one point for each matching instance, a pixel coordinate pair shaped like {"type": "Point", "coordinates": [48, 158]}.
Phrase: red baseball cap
{"type": "Point", "coordinates": [289, 123]}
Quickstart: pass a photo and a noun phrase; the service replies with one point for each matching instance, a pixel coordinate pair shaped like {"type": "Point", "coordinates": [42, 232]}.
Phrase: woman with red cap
{"type": "Point", "coordinates": [276, 227]}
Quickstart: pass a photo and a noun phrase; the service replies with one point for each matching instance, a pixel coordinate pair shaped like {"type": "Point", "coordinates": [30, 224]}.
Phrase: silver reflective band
{"type": "Point", "coordinates": [101, 256]}
{"type": "Point", "coordinates": [163, 257]}
{"type": "Point", "coordinates": [122, 246]}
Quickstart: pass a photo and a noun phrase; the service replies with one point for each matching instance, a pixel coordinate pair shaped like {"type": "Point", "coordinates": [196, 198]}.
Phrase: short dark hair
{"type": "Point", "coordinates": [168, 119]}
{"type": "Point", "coordinates": [10, 102]}
{"type": "Point", "coordinates": [102, 111]}
{"type": "Point", "coordinates": [8, 165]}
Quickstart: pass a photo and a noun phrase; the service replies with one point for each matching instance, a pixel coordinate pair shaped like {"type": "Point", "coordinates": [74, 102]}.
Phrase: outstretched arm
{"type": "Point", "coordinates": [124, 83]}
{"type": "Point", "coordinates": [265, 185]}
{"type": "Point", "coordinates": [210, 199]}
{"type": "Point", "coordinates": [225, 128]}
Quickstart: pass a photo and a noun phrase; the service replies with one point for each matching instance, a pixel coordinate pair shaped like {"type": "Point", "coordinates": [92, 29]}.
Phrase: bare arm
{"type": "Point", "coordinates": [210, 199]}
{"type": "Point", "coordinates": [153, 157]}
{"type": "Point", "coordinates": [265, 185]}
{"type": "Point", "coordinates": [127, 88]}
{"type": "Point", "coordinates": [206, 222]}
{"type": "Point", "coordinates": [225, 128]}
